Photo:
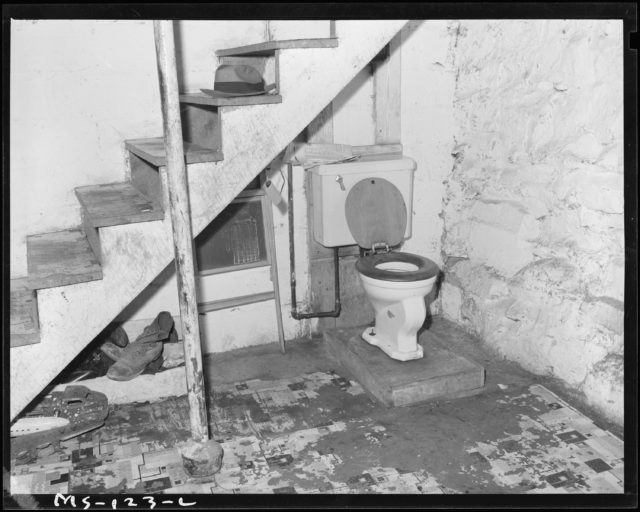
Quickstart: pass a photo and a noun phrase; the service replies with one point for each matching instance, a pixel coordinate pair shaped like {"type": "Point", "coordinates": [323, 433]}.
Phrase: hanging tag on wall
{"type": "Point", "coordinates": [272, 192]}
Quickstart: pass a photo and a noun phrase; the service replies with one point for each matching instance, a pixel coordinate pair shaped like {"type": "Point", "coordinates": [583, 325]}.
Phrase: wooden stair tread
{"type": "Point", "coordinates": [117, 203]}
{"type": "Point", "coordinates": [23, 318]}
{"type": "Point", "coordinates": [271, 46]}
{"type": "Point", "coordinates": [152, 150]}
{"type": "Point", "coordinates": [200, 98]}
{"type": "Point", "coordinates": [61, 258]}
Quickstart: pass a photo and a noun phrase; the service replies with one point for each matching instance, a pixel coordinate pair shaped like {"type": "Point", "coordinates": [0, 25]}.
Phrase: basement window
{"type": "Point", "coordinates": [236, 238]}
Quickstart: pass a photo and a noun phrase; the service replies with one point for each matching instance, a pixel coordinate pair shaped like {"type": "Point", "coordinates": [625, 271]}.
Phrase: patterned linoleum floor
{"type": "Point", "coordinates": [321, 433]}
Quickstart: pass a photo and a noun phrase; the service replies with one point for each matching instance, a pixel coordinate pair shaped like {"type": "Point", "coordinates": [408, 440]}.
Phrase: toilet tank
{"type": "Point", "coordinates": [331, 184]}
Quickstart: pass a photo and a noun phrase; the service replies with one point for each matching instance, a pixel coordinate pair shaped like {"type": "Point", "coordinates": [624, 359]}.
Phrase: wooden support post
{"type": "Point", "coordinates": [181, 221]}
{"type": "Point", "coordinates": [319, 131]}
{"type": "Point", "coordinates": [387, 95]}
{"type": "Point", "coordinates": [271, 242]}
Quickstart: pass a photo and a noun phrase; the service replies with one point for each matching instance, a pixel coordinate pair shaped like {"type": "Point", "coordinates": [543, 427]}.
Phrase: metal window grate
{"type": "Point", "coordinates": [241, 240]}
{"type": "Point", "coordinates": [234, 239]}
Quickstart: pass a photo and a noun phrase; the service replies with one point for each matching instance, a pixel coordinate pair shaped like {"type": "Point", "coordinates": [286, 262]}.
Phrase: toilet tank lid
{"type": "Point", "coordinates": [382, 165]}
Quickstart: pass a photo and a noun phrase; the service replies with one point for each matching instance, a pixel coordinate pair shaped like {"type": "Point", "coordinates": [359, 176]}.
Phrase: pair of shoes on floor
{"type": "Point", "coordinates": [98, 362]}
{"type": "Point", "coordinates": [144, 354]}
{"type": "Point", "coordinates": [135, 358]}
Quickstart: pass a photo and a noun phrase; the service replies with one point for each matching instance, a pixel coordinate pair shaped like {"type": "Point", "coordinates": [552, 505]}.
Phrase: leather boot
{"type": "Point", "coordinates": [159, 329]}
{"type": "Point", "coordinates": [134, 359]}
{"type": "Point", "coordinates": [115, 343]}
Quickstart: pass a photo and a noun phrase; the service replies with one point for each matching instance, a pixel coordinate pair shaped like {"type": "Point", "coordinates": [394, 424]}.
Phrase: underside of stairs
{"type": "Point", "coordinates": [81, 279]}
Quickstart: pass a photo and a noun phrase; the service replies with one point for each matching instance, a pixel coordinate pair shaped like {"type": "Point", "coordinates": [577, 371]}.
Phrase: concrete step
{"type": "Point", "coordinates": [440, 374]}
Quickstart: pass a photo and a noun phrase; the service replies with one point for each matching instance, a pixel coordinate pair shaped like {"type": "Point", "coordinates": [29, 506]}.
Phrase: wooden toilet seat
{"type": "Point", "coordinates": [376, 214]}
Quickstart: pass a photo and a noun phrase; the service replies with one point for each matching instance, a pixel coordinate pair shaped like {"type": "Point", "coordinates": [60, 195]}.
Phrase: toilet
{"type": "Point", "coordinates": [369, 203]}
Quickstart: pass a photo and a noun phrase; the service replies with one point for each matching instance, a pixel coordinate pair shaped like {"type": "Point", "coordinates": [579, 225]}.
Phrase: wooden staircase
{"type": "Point", "coordinates": [80, 279]}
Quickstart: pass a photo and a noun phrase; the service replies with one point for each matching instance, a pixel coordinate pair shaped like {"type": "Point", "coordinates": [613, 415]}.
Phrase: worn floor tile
{"type": "Point", "coordinates": [321, 433]}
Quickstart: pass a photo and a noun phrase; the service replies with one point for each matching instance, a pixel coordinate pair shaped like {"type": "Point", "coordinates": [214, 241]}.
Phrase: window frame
{"type": "Point", "coordinates": [246, 196]}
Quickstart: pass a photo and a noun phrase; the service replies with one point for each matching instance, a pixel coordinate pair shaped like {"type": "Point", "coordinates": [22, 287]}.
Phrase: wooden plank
{"type": "Point", "coordinates": [314, 153]}
{"type": "Point", "coordinates": [117, 203]}
{"type": "Point", "coordinates": [376, 213]}
{"type": "Point", "coordinates": [152, 150]}
{"type": "Point", "coordinates": [243, 300]}
{"type": "Point", "coordinates": [267, 208]}
{"type": "Point", "coordinates": [201, 98]}
{"type": "Point", "coordinates": [146, 178]}
{"type": "Point", "coordinates": [440, 374]}
{"type": "Point", "coordinates": [320, 134]}
{"type": "Point", "coordinates": [201, 125]}
{"type": "Point", "coordinates": [276, 70]}
{"type": "Point", "coordinates": [180, 212]}
{"type": "Point", "coordinates": [269, 47]}
{"type": "Point", "coordinates": [375, 150]}
{"type": "Point", "coordinates": [91, 232]}
{"type": "Point", "coordinates": [387, 95]}
{"type": "Point", "coordinates": [23, 317]}
{"type": "Point", "coordinates": [61, 258]}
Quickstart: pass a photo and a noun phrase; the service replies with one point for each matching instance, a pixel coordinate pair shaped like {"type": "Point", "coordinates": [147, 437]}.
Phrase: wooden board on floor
{"type": "Point", "coordinates": [24, 327]}
{"type": "Point", "coordinates": [61, 258]}
{"type": "Point", "coordinates": [271, 46]}
{"type": "Point", "coordinates": [201, 98]}
{"type": "Point", "coordinates": [152, 150]}
{"type": "Point", "coordinates": [440, 374]}
{"type": "Point", "coordinates": [117, 203]}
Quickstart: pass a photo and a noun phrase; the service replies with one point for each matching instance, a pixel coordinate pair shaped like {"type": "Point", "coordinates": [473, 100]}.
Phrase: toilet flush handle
{"type": "Point", "coordinates": [340, 182]}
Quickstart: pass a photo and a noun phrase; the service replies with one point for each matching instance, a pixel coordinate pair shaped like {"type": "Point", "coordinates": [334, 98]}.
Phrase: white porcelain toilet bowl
{"type": "Point", "coordinates": [396, 284]}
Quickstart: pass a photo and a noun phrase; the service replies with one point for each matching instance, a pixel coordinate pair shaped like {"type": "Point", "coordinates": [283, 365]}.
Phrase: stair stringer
{"type": "Point", "coordinates": [134, 254]}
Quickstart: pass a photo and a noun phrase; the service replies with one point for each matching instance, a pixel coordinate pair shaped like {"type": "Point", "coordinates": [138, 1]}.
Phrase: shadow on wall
{"type": "Point", "coordinates": [145, 297]}
{"type": "Point", "coordinates": [430, 299]}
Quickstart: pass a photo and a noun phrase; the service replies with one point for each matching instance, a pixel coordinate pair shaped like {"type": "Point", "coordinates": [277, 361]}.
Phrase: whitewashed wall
{"type": "Point", "coordinates": [428, 81]}
{"type": "Point", "coordinates": [533, 210]}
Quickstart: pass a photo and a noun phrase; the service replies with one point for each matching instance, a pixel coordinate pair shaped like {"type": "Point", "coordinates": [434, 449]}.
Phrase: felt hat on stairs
{"type": "Point", "coordinates": [237, 80]}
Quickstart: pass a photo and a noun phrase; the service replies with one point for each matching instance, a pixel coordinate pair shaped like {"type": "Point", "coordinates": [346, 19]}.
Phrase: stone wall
{"type": "Point", "coordinates": [533, 239]}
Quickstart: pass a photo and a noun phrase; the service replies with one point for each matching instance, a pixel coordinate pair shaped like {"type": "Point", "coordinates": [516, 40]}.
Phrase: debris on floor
{"type": "Point", "coordinates": [321, 433]}
{"type": "Point", "coordinates": [62, 415]}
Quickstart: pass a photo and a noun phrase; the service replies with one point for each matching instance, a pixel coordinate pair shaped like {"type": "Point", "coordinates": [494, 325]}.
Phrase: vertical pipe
{"type": "Point", "coordinates": [292, 265]}
{"type": "Point", "coordinates": [181, 223]}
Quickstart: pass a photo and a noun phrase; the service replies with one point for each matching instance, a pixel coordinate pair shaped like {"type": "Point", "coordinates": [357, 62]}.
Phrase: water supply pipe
{"type": "Point", "coordinates": [336, 264]}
